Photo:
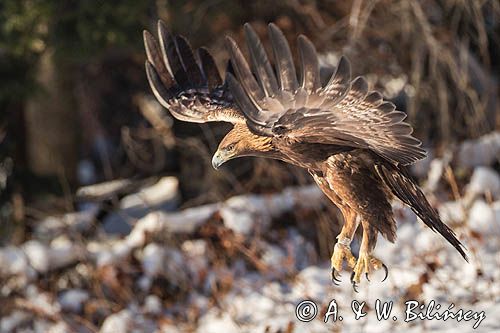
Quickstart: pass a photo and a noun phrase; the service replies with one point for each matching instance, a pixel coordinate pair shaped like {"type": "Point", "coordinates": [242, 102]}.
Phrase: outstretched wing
{"type": "Point", "coordinates": [192, 92]}
{"type": "Point", "coordinates": [343, 112]}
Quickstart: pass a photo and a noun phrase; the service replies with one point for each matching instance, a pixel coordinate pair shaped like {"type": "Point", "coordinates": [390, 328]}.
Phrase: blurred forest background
{"type": "Point", "coordinates": [72, 86]}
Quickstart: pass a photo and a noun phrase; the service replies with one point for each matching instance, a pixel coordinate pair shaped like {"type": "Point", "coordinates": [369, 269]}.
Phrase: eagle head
{"type": "Point", "coordinates": [240, 141]}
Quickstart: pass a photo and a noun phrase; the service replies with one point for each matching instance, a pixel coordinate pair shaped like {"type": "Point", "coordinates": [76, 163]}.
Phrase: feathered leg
{"type": "Point", "coordinates": [342, 249]}
{"type": "Point", "coordinates": [367, 263]}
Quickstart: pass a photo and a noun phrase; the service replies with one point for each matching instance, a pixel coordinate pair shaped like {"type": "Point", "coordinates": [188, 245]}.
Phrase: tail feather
{"type": "Point", "coordinates": [402, 186]}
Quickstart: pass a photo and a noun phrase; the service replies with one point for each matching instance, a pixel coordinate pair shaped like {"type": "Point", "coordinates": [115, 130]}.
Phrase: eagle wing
{"type": "Point", "coordinates": [344, 112]}
{"type": "Point", "coordinates": [191, 91]}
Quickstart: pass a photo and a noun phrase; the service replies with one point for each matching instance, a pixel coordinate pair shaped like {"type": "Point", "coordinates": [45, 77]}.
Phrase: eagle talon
{"type": "Point", "coordinates": [335, 277]}
{"type": "Point", "coordinates": [341, 252]}
{"type": "Point", "coordinates": [386, 272]}
{"type": "Point", "coordinates": [354, 285]}
{"type": "Point", "coordinates": [367, 264]}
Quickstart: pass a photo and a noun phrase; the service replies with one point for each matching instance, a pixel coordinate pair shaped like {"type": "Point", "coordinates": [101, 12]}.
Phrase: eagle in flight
{"type": "Point", "coordinates": [355, 145]}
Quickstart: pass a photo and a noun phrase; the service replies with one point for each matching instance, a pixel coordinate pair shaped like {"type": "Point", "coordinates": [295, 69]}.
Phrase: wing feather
{"type": "Point", "coordinates": [154, 56]}
{"type": "Point", "coordinates": [244, 74]}
{"type": "Point", "coordinates": [243, 99]}
{"type": "Point", "coordinates": [210, 69]}
{"type": "Point", "coordinates": [157, 85]}
{"type": "Point", "coordinates": [374, 98]}
{"type": "Point", "coordinates": [283, 59]}
{"type": "Point", "coordinates": [310, 79]}
{"type": "Point", "coordinates": [192, 92]}
{"type": "Point", "coordinates": [189, 63]}
{"type": "Point", "coordinates": [171, 56]}
{"type": "Point", "coordinates": [260, 62]}
{"type": "Point", "coordinates": [340, 82]}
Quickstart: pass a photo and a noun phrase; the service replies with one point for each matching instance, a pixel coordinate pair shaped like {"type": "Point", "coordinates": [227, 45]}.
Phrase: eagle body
{"type": "Point", "coordinates": [348, 178]}
{"type": "Point", "coordinates": [356, 146]}
{"type": "Point", "coordinates": [356, 186]}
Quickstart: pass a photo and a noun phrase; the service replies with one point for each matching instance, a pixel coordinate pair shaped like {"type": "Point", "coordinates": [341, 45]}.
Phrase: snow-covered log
{"type": "Point", "coordinates": [242, 214]}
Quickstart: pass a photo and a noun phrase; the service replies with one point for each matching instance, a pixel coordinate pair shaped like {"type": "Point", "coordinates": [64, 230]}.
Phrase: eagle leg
{"type": "Point", "coordinates": [341, 252]}
{"type": "Point", "coordinates": [367, 263]}
{"type": "Point", "coordinates": [342, 249]}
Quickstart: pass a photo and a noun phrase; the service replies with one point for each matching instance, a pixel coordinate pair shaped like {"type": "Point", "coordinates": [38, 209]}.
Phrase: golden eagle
{"type": "Point", "coordinates": [355, 145]}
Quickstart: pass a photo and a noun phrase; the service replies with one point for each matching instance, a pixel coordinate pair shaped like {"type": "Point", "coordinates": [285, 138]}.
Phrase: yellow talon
{"type": "Point", "coordinates": [341, 252]}
{"type": "Point", "coordinates": [366, 264]}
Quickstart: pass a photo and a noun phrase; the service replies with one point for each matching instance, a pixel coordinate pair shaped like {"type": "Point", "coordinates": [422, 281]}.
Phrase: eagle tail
{"type": "Point", "coordinates": [403, 186]}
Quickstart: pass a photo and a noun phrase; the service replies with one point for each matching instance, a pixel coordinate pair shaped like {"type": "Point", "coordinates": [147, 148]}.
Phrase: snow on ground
{"type": "Point", "coordinates": [198, 270]}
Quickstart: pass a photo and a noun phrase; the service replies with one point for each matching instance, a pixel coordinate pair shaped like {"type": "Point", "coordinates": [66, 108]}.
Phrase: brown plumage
{"type": "Point", "coordinates": [355, 145]}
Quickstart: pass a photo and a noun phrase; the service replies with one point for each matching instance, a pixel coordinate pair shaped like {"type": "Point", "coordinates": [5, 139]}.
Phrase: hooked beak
{"type": "Point", "coordinates": [217, 160]}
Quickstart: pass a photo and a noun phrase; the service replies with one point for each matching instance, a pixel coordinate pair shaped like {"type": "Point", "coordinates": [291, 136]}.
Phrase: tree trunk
{"type": "Point", "coordinates": [51, 121]}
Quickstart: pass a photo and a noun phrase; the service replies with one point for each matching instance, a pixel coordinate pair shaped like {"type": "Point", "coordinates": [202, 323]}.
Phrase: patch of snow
{"type": "Point", "coordinates": [421, 168]}
{"type": "Point", "coordinates": [436, 170]}
{"type": "Point", "coordinates": [13, 261]}
{"type": "Point", "coordinates": [175, 269]}
{"type": "Point", "coordinates": [152, 305]}
{"type": "Point", "coordinates": [153, 259]}
{"type": "Point", "coordinates": [76, 222]}
{"type": "Point", "coordinates": [10, 322]}
{"type": "Point", "coordinates": [311, 282]}
{"type": "Point", "coordinates": [72, 300]}
{"type": "Point", "coordinates": [215, 322]}
{"type": "Point", "coordinates": [496, 210]}
{"type": "Point", "coordinates": [38, 255]}
{"type": "Point", "coordinates": [243, 213]}
{"type": "Point", "coordinates": [484, 180]}
{"type": "Point", "coordinates": [119, 322]}
{"type": "Point", "coordinates": [481, 152]}
{"type": "Point", "coordinates": [274, 257]}
{"type": "Point", "coordinates": [144, 283]}
{"type": "Point", "coordinates": [166, 189]}
{"type": "Point", "coordinates": [63, 252]}
{"type": "Point", "coordinates": [195, 253]}
{"type": "Point", "coordinates": [86, 172]}
{"type": "Point", "coordinates": [42, 300]}
{"type": "Point", "coordinates": [482, 218]}
{"type": "Point", "coordinates": [59, 327]}
{"type": "Point", "coordinates": [427, 241]}
{"type": "Point", "coordinates": [452, 212]}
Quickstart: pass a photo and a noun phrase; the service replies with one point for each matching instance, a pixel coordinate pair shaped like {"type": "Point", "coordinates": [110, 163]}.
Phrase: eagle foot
{"type": "Point", "coordinates": [366, 264]}
{"type": "Point", "coordinates": [341, 252]}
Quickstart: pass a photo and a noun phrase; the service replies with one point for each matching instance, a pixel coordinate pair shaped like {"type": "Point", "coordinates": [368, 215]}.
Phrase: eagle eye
{"type": "Point", "coordinates": [230, 147]}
